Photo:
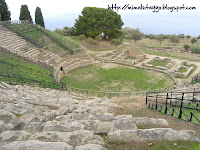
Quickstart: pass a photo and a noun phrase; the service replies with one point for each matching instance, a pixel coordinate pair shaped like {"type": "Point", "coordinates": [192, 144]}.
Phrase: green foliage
{"type": "Point", "coordinates": [132, 34]}
{"type": "Point", "coordinates": [38, 17]}
{"type": "Point", "coordinates": [160, 37]}
{"type": "Point", "coordinates": [25, 14]}
{"type": "Point", "coordinates": [98, 38]}
{"type": "Point", "coordinates": [193, 40]}
{"type": "Point", "coordinates": [66, 31]}
{"type": "Point", "coordinates": [198, 37]}
{"type": "Point", "coordinates": [188, 36]}
{"type": "Point", "coordinates": [174, 39]}
{"type": "Point", "coordinates": [96, 21]}
{"type": "Point", "coordinates": [195, 49]}
{"type": "Point", "coordinates": [82, 37]}
{"type": "Point", "coordinates": [27, 31]}
{"type": "Point", "coordinates": [152, 36]}
{"type": "Point", "coordinates": [23, 71]}
{"type": "Point", "coordinates": [65, 42]}
{"type": "Point", "coordinates": [181, 36]}
{"type": "Point", "coordinates": [115, 41]}
{"type": "Point", "coordinates": [91, 41]}
{"type": "Point", "coordinates": [186, 47]}
{"type": "Point", "coordinates": [4, 12]}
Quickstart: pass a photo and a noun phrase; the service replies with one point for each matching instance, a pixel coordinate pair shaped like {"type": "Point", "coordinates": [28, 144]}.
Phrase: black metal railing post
{"type": "Point", "coordinates": [166, 104]}
{"type": "Point", "coordinates": [146, 97]}
{"type": "Point", "coordinates": [180, 112]}
{"type": "Point", "coordinates": [193, 94]}
{"type": "Point", "coordinates": [156, 101]}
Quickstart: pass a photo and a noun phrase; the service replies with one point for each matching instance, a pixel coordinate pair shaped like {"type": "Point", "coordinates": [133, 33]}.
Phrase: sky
{"type": "Point", "coordinates": [61, 13]}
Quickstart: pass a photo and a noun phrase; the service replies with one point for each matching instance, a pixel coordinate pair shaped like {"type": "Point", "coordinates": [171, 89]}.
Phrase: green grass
{"type": "Point", "coordinates": [159, 63]}
{"type": "Point", "coordinates": [19, 68]}
{"type": "Point", "coordinates": [36, 35]}
{"type": "Point", "coordinates": [65, 41]}
{"type": "Point", "coordinates": [94, 77]}
{"type": "Point", "coordinates": [130, 58]}
{"type": "Point", "coordinates": [182, 70]}
{"type": "Point", "coordinates": [156, 145]}
{"type": "Point", "coordinates": [186, 111]}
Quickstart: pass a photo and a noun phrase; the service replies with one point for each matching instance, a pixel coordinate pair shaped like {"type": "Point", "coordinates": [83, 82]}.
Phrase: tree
{"type": "Point", "coordinates": [181, 36]}
{"type": "Point", "coordinates": [174, 39]}
{"type": "Point", "coordinates": [152, 36]}
{"type": "Point", "coordinates": [188, 36]}
{"type": "Point", "coordinates": [160, 38]}
{"type": "Point", "coordinates": [96, 21]}
{"type": "Point", "coordinates": [38, 17]}
{"type": "Point", "coordinates": [194, 40]}
{"type": "Point", "coordinates": [25, 14]}
{"type": "Point", "coordinates": [136, 35]}
{"type": "Point", "coordinates": [4, 12]}
{"type": "Point", "coordinates": [195, 49]}
{"type": "Point", "coordinates": [186, 47]}
{"type": "Point", "coordinates": [198, 37]}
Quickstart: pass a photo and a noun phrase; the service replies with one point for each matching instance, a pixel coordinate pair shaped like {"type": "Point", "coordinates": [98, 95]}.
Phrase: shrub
{"type": "Point", "coordinates": [98, 38]}
{"type": "Point", "coordinates": [194, 40]}
{"type": "Point", "coordinates": [115, 41]}
{"type": "Point", "coordinates": [91, 41]}
{"type": "Point", "coordinates": [195, 49]}
{"type": "Point", "coordinates": [188, 36]}
{"type": "Point", "coordinates": [82, 37]}
{"type": "Point", "coordinates": [186, 47]}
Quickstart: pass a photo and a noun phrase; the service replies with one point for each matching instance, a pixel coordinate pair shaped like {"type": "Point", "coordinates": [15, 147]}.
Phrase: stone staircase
{"type": "Point", "coordinates": [10, 42]}
{"type": "Point", "coordinates": [31, 115]}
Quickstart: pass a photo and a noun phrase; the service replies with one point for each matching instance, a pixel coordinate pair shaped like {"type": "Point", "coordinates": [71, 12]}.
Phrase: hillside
{"type": "Point", "coordinates": [43, 47]}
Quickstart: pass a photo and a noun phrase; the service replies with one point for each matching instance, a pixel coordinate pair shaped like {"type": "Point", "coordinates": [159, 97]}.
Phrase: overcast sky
{"type": "Point", "coordinates": [60, 13]}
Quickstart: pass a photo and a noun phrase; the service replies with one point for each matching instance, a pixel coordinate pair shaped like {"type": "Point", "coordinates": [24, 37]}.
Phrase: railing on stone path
{"type": "Point", "coordinates": [183, 105]}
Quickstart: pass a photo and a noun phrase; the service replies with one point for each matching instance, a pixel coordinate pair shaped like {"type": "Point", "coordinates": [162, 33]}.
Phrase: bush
{"type": "Point", "coordinates": [115, 41]}
{"type": "Point", "coordinates": [194, 40]}
{"type": "Point", "coordinates": [82, 37]}
{"type": "Point", "coordinates": [91, 41]}
{"type": "Point", "coordinates": [195, 49]}
{"type": "Point", "coordinates": [98, 38]}
{"type": "Point", "coordinates": [186, 47]}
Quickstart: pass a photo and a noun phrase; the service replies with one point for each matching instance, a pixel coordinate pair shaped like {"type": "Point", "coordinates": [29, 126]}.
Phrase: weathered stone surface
{"type": "Point", "coordinates": [70, 127]}
{"type": "Point", "coordinates": [3, 126]}
{"type": "Point", "coordinates": [33, 127]}
{"type": "Point", "coordinates": [10, 120]}
{"type": "Point", "coordinates": [75, 138]}
{"type": "Point", "coordinates": [82, 116]}
{"type": "Point", "coordinates": [9, 136]}
{"type": "Point", "coordinates": [155, 134]}
{"type": "Point", "coordinates": [125, 124]}
{"type": "Point", "coordinates": [150, 121]}
{"type": "Point", "coordinates": [90, 147]}
{"type": "Point", "coordinates": [36, 145]}
{"type": "Point", "coordinates": [104, 117]}
{"type": "Point", "coordinates": [89, 124]}
{"type": "Point", "coordinates": [103, 127]}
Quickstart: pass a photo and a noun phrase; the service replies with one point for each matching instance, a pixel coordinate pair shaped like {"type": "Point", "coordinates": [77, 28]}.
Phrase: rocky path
{"type": "Point", "coordinates": [33, 118]}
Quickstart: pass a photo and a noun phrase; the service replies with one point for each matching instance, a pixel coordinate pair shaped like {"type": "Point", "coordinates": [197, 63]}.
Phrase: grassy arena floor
{"type": "Point", "coordinates": [111, 77]}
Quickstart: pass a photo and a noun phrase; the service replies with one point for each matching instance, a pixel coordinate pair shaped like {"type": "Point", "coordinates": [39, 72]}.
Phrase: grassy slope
{"type": "Point", "coordinates": [19, 68]}
{"type": "Point", "coordinates": [95, 77]}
